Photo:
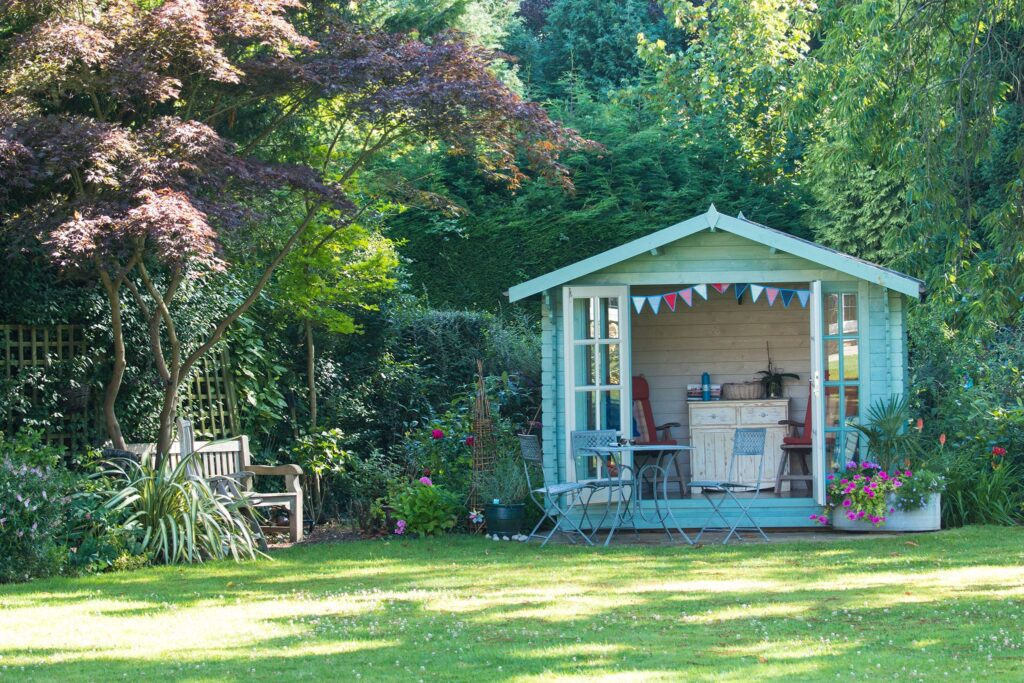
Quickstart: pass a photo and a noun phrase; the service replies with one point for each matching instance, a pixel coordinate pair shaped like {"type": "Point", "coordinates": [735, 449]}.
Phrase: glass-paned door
{"type": "Point", "coordinates": [597, 364]}
{"type": "Point", "coordinates": [841, 370]}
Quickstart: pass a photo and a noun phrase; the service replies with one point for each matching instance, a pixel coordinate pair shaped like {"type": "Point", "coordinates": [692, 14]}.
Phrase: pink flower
{"type": "Point", "coordinates": [920, 424]}
{"type": "Point", "coordinates": [871, 494]}
{"type": "Point", "coordinates": [400, 527]}
{"type": "Point", "coordinates": [908, 473]}
{"type": "Point", "coordinates": [437, 434]}
{"type": "Point", "coordinates": [847, 503]}
{"type": "Point", "coordinates": [942, 439]}
{"type": "Point", "coordinates": [426, 481]}
{"type": "Point", "coordinates": [852, 516]}
{"type": "Point", "coordinates": [998, 451]}
{"type": "Point", "coordinates": [896, 483]}
{"type": "Point", "coordinates": [470, 440]}
{"type": "Point", "coordinates": [882, 475]}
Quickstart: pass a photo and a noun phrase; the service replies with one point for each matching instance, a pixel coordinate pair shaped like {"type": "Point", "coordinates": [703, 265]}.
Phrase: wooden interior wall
{"type": "Point", "coordinates": [720, 336]}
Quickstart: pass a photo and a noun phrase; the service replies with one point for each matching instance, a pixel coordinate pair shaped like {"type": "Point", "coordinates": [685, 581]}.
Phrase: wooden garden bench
{"type": "Point", "coordinates": [230, 459]}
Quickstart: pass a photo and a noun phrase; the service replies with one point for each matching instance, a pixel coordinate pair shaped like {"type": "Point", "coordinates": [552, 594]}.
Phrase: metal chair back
{"type": "Point", "coordinates": [582, 440]}
{"type": "Point", "coordinates": [747, 443]}
{"type": "Point", "coordinates": [532, 454]}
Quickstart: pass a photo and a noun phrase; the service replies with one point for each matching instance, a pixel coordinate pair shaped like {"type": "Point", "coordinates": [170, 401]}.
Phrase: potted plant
{"type": "Point", "coordinates": [896, 490]}
{"type": "Point", "coordinates": [504, 489]}
{"type": "Point", "coordinates": [772, 379]}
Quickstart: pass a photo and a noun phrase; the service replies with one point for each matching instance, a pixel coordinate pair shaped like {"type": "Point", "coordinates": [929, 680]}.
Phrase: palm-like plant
{"type": "Point", "coordinates": [890, 442]}
{"type": "Point", "coordinates": [182, 519]}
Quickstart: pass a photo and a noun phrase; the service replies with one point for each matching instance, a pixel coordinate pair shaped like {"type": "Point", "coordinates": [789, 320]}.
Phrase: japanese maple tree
{"type": "Point", "coordinates": [134, 139]}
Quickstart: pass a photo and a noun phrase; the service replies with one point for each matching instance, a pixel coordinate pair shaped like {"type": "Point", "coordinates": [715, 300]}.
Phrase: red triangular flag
{"type": "Point", "coordinates": [720, 287]}
{"type": "Point", "coordinates": [687, 295]}
{"type": "Point", "coordinates": [772, 293]}
{"type": "Point", "coordinates": [670, 299]}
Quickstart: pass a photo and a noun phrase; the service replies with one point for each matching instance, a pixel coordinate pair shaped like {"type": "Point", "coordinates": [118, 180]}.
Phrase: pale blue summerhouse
{"type": "Point", "coordinates": [716, 294]}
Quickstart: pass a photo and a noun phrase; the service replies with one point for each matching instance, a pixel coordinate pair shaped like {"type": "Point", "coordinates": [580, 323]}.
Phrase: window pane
{"type": "Point", "coordinates": [831, 361]}
{"type": "Point", "coordinates": [610, 413]}
{"type": "Point", "coordinates": [831, 314]}
{"type": "Point", "coordinates": [586, 365]}
{"type": "Point", "coordinates": [610, 318]}
{"type": "Point", "coordinates": [849, 314]}
{"type": "Point", "coordinates": [831, 406]}
{"type": "Point", "coordinates": [830, 446]}
{"type": "Point", "coordinates": [851, 359]}
{"type": "Point", "coordinates": [609, 363]}
{"type": "Point", "coordinates": [852, 403]}
{"type": "Point", "coordinates": [583, 318]}
{"type": "Point", "coordinates": [586, 413]}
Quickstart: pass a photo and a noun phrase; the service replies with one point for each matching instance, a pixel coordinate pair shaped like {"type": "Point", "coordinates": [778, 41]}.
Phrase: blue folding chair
{"type": "Point", "coordinates": [549, 497]}
{"type": "Point", "coordinates": [747, 443]}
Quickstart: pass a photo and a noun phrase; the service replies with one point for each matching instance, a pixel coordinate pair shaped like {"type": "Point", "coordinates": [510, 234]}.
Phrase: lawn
{"type": "Point", "coordinates": [466, 609]}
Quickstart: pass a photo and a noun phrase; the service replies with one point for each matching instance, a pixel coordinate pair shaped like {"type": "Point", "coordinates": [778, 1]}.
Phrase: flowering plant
{"type": "Point", "coordinates": [425, 509]}
{"type": "Point", "coordinates": [859, 491]}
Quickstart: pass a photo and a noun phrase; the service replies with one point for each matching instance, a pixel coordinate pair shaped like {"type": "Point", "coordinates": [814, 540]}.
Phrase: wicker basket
{"type": "Point", "coordinates": [736, 391]}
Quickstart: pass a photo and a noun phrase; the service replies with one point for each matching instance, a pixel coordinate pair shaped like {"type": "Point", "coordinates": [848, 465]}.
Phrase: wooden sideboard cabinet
{"type": "Point", "coordinates": [712, 424]}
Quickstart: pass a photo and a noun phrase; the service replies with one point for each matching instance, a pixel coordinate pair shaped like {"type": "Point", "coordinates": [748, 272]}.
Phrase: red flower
{"type": "Point", "coordinates": [920, 424]}
{"type": "Point", "coordinates": [942, 439]}
{"type": "Point", "coordinates": [437, 434]}
{"type": "Point", "coordinates": [470, 440]}
{"type": "Point", "coordinates": [998, 451]}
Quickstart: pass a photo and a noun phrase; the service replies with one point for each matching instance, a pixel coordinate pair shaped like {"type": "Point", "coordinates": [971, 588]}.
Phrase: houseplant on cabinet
{"type": "Point", "coordinates": [504, 489]}
{"type": "Point", "coordinates": [772, 378]}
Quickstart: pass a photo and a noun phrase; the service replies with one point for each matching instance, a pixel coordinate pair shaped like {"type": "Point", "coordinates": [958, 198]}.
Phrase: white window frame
{"type": "Point", "coordinates": [624, 341]}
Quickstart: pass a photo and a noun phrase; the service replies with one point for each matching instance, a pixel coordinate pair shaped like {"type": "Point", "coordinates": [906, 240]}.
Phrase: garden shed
{"type": "Point", "coordinates": [717, 294]}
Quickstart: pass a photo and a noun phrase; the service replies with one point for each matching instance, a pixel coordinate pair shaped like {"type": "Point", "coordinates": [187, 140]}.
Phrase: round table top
{"type": "Point", "coordinates": [639, 448]}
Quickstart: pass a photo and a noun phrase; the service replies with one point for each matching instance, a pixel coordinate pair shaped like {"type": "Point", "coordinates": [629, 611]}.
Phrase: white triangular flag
{"type": "Point", "coordinates": [702, 290]}
{"type": "Point", "coordinates": [638, 303]}
{"type": "Point", "coordinates": [755, 291]}
{"type": "Point", "coordinates": [655, 302]}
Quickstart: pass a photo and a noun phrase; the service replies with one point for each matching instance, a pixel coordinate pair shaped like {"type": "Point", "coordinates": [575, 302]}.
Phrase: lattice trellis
{"type": "Point", "coordinates": [208, 398]}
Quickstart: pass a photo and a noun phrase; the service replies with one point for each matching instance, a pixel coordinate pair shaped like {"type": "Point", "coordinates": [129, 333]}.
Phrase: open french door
{"type": "Point", "coordinates": [597, 364]}
{"type": "Point", "coordinates": [818, 465]}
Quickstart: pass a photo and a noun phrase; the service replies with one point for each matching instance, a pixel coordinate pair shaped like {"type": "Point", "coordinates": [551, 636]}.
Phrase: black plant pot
{"type": "Point", "coordinates": [504, 520]}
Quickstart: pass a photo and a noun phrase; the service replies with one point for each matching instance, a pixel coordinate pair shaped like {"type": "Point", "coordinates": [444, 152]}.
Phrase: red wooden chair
{"type": "Point", "coordinates": [798, 444]}
{"type": "Point", "coordinates": [647, 434]}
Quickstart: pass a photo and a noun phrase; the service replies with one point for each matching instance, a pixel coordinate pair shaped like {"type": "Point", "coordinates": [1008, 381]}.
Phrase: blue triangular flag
{"type": "Point", "coordinates": [787, 296]}
{"type": "Point", "coordinates": [755, 292]}
{"type": "Point", "coordinates": [740, 289]}
{"type": "Point", "coordinates": [655, 302]}
{"type": "Point", "coordinates": [702, 290]}
{"type": "Point", "coordinates": [638, 303]}
{"type": "Point", "coordinates": [804, 296]}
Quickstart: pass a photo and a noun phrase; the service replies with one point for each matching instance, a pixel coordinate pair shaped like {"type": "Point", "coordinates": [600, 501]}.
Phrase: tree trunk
{"type": "Point", "coordinates": [167, 413]}
{"type": "Point", "coordinates": [311, 374]}
{"type": "Point", "coordinates": [117, 372]}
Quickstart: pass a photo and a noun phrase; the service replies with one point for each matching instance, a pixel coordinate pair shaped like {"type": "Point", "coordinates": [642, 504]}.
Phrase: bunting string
{"type": "Point", "coordinates": [672, 299]}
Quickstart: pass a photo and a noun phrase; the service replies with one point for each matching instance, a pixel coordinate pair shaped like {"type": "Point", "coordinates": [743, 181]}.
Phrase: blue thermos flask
{"type": "Point", "coordinates": [705, 386]}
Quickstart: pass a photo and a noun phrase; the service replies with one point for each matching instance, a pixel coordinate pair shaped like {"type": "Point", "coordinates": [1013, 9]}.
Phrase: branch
{"type": "Point", "coordinates": [222, 327]}
{"type": "Point", "coordinates": [169, 374]}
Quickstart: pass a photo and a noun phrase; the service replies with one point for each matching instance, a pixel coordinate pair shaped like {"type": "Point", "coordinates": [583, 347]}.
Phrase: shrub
{"type": "Point", "coordinates": [442, 447]}
{"type": "Point", "coordinates": [860, 491]}
{"type": "Point", "coordinates": [982, 489]}
{"type": "Point", "coordinates": [505, 483]}
{"type": "Point", "coordinates": [175, 519]}
{"type": "Point", "coordinates": [324, 460]}
{"type": "Point", "coordinates": [34, 489]}
{"type": "Point", "coordinates": [365, 486]}
{"type": "Point", "coordinates": [425, 509]}
{"type": "Point", "coordinates": [97, 534]}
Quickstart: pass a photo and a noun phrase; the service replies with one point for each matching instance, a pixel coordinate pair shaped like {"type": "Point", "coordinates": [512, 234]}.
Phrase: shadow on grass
{"type": "Point", "coordinates": [465, 610]}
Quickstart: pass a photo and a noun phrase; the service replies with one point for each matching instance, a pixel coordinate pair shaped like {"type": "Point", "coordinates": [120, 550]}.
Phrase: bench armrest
{"type": "Point", "coordinates": [791, 423]}
{"type": "Point", "coordinates": [666, 426]}
{"type": "Point", "coordinates": [273, 470]}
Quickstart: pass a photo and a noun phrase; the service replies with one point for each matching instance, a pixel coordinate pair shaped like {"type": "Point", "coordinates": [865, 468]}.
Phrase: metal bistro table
{"type": "Point", "coordinates": [627, 509]}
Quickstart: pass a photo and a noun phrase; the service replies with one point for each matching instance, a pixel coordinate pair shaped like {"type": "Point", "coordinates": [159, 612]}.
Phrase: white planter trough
{"type": "Point", "coordinates": [926, 518]}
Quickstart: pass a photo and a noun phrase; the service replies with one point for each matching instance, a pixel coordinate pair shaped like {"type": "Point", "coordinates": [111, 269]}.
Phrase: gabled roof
{"type": "Point", "coordinates": [836, 260]}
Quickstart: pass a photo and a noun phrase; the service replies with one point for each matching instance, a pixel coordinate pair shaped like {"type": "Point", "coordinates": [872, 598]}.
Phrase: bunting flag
{"type": "Point", "coordinates": [670, 301]}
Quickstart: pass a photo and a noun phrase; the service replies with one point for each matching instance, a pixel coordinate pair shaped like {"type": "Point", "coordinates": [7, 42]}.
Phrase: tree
{"type": "Point", "coordinates": [113, 154]}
